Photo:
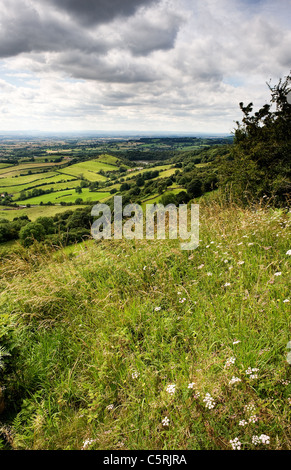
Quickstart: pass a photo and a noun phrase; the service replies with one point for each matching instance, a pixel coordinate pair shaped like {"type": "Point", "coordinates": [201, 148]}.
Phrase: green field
{"type": "Point", "coordinates": [34, 212]}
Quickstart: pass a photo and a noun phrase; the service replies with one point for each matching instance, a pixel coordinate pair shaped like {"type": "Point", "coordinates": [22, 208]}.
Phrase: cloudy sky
{"type": "Point", "coordinates": [143, 65]}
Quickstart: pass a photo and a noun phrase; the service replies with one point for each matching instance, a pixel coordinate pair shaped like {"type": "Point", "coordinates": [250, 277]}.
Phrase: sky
{"type": "Point", "coordinates": [178, 66]}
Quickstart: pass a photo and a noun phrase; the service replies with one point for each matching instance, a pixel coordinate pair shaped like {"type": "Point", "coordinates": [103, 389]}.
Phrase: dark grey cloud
{"type": "Point", "coordinates": [93, 12]}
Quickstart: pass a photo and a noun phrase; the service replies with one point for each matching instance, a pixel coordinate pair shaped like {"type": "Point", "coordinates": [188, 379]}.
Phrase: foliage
{"type": "Point", "coordinates": [259, 164]}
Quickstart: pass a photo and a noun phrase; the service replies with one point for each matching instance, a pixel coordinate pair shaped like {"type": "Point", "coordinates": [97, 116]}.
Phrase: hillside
{"type": "Point", "coordinates": [140, 345]}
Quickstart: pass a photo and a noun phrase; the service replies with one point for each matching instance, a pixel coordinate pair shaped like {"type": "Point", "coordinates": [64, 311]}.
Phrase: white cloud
{"type": "Point", "coordinates": [173, 65]}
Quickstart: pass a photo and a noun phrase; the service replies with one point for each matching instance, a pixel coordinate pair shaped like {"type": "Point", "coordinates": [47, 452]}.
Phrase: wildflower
{"type": "Point", "coordinates": [278, 274]}
{"type": "Point", "coordinates": [230, 361]}
{"type": "Point", "coordinates": [234, 380]}
{"type": "Point", "coordinates": [288, 252]}
{"type": "Point", "coordinates": [144, 268]}
{"type": "Point", "coordinates": [165, 421]}
{"type": "Point", "coordinates": [109, 407]}
{"type": "Point", "coordinates": [191, 385]}
{"type": "Point", "coordinates": [197, 395]}
{"type": "Point", "coordinates": [87, 443]}
{"type": "Point", "coordinates": [209, 274]}
{"type": "Point", "coordinates": [255, 440]}
{"type": "Point", "coordinates": [250, 244]}
{"type": "Point", "coordinates": [135, 374]}
{"type": "Point", "coordinates": [243, 422]}
{"type": "Point", "coordinates": [226, 261]}
{"type": "Point", "coordinates": [235, 443]}
{"type": "Point", "coordinates": [249, 408]}
{"type": "Point", "coordinates": [253, 419]}
{"type": "Point", "coordinates": [171, 389]}
{"type": "Point", "coordinates": [157, 309]}
{"type": "Point", "coordinates": [226, 284]}
{"type": "Point", "coordinates": [209, 401]}
{"type": "Point", "coordinates": [241, 262]}
{"type": "Point", "coordinates": [201, 266]}
{"type": "Point", "coordinates": [236, 342]}
{"type": "Point", "coordinates": [263, 438]}
{"type": "Point", "coordinates": [250, 370]}
{"type": "Point", "coordinates": [182, 300]}
{"type": "Point", "coordinates": [285, 301]}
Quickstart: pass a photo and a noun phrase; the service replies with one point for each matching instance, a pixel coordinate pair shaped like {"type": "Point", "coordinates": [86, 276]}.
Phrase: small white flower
{"type": "Point", "coordinates": [243, 422]}
{"type": "Point", "coordinates": [255, 440]}
{"type": "Point", "coordinates": [230, 361]}
{"type": "Point", "coordinates": [235, 443]}
{"type": "Point", "coordinates": [278, 274]}
{"type": "Point", "coordinates": [201, 266]}
{"type": "Point", "coordinates": [250, 370]}
{"type": "Point", "coordinates": [265, 439]}
{"type": "Point", "coordinates": [157, 309]}
{"type": "Point", "coordinates": [285, 301]}
{"type": "Point", "coordinates": [241, 262]}
{"type": "Point", "coordinates": [209, 274]}
{"type": "Point", "coordinates": [227, 284]}
{"type": "Point", "coordinates": [87, 443]}
{"type": "Point", "coordinates": [144, 268]}
{"type": "Point", "coordinates": [165, 421]}
{"type": "Point", "coordinates": [288, 252]}
{"type": "Point", "coordinates": [109, 407]}
{"type": "Point", "coordinates": [182, 300]}
{"type": "Point", "coordinates": [236, 342]}
{"type": "Point", "coordinates": [209, 401]}
{"type": "Point", "coordinates": [171, 389]}
{"type": "Point", "coordinates": [234, 380]}
{"type": "Point", "coordinates": [191, 385]}
{"type": "Point", "coordinates": [253, 419]}
{"type": "Point", "coordinates": [135, 374]}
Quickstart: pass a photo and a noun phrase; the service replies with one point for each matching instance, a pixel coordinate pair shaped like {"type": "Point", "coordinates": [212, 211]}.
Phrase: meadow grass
{"type": "Point", "coordinates": [140, 345]}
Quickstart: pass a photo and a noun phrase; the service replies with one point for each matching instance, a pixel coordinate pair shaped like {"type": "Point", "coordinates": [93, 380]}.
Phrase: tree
{"type": "Point", "coordinates": [31, 232]}
{"type": "Point", "coordinates": [259, 163]}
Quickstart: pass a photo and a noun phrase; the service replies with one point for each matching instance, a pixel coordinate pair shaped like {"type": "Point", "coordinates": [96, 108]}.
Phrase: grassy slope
{"type": "Point", "coordinates": [97, 337]}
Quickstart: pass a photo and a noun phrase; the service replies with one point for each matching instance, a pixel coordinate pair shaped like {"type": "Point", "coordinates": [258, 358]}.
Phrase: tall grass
{"type": "Point", "coordinates": [139, 345]}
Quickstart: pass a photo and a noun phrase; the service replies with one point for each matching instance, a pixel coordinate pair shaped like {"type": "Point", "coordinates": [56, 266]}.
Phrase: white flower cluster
{"type": "Point", "coordinates": [250, 373]}
{"type": "Point", "coordinates": [109, 407]}
{"type": "Point", "coordinates": [165, 421]}
{"type": "Point", "coordinates": [230, 361]}
{"type": "Point", "coordinates": [235, 443]}
{"type": "Point", "coordinates": [191, 385]}
{"type": "Point", "coordinates": [261, 439]}
{"type": "Point", "coordinates": [209, 401]}
{"type": "Point", "coordinates": [87, 443]}
{"type": "Point", "coordinates": [135, 374]}
{"type": "Point", "coordinates": [234, 380]}
{"type": "Point", "coordinates": [288, 252]}
{"type": "Point", "coordinates": [171, 389]}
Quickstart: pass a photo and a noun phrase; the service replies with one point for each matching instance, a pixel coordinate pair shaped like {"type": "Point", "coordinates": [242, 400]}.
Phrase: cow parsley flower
{"type": "Point", "coordinates": [191, 385]}
{"type": "Point", "coordinates": [235, 443]}
{"type": "Point", "coordinates": [230, 361]}
{"type": "Point", "coordinates": [234, 380]}
{"type": "Point", "coordinates": [165, 421]}
{"type": "Point", "coordinates": [209, 401]}
{"type": "Point", "coordinates": [288, 252]}
{"type": "Point", "coordinates": [243, 422]}
{"type": "Point", "coordinates": [171, 389]}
